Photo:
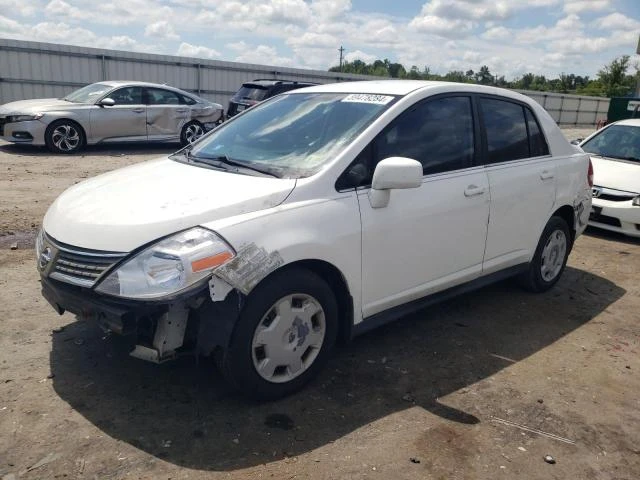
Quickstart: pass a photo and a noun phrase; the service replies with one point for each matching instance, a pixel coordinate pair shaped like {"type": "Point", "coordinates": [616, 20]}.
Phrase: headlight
{"type": "Point", "coordinates": [169, 266]}
{"type": "Point", "coordinates": [24, 118]}
{"type": "Point", "coordinates": [636, 201]}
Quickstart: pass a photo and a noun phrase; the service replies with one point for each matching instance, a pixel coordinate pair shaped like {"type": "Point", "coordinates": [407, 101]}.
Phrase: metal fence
{"type": "Point", "coordinates": [41, 70]}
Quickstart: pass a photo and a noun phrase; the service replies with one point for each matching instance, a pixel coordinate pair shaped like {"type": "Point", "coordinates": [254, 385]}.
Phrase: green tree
{"type": "Point", "coordinates": [614, 78]}
{"type": "Point", "coordinates": [484, 76]}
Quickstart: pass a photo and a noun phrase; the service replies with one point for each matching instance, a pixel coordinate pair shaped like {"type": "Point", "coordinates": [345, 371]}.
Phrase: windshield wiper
{"type": "Point", "coordinates": [225, 160]}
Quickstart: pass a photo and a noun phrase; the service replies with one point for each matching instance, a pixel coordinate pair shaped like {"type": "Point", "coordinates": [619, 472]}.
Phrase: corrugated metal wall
{"type": "Point", "coordinates": [41, 70]}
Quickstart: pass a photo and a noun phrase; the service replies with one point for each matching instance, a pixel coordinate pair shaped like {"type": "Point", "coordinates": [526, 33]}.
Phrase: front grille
{"type": "Point", "coordinates": [612, 195]}
{"type": "Point", "coordinates": [80, 266]}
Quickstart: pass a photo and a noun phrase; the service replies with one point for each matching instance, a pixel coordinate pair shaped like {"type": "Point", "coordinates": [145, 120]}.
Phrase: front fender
{"type": "Point", "coordinates": [328, 230]}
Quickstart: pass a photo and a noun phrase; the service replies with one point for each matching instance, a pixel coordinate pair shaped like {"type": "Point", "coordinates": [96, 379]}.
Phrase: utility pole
{"type": "Point", "coordinates": [341, 50]}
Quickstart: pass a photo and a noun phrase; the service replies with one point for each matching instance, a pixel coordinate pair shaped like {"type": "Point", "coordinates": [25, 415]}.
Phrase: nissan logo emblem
{"type": "Point", "coordinates": [45, 258]}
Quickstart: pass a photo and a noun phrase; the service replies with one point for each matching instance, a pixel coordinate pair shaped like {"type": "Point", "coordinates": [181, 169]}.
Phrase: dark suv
{"type": "Point", "coordinates": [258, 90]}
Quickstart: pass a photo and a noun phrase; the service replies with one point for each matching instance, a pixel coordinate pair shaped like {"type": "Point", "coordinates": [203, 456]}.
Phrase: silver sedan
{"type": "Point", "coordinates": [111, 111]}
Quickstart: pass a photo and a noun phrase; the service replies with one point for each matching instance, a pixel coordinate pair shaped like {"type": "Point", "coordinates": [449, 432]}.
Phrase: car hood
{"type": "Point", "coordinates": [124, 209]}
{"type": "Point", "coordinates": [616, 174]}
{"type": "Point", "coordinates": [34, 106]}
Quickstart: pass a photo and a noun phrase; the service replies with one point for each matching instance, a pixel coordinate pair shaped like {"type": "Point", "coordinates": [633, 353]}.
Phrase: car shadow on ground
{"type": "Point", "coordinates": [184, 413]}
{"type": "Point", "coordinates": [97, 150]}
{"type": "Point", "coordinates": [611, 236]}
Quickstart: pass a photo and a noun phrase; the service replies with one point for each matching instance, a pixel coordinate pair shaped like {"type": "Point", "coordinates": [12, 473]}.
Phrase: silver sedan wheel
{"type": "Point", "coordinates": [193, 132]}
{"type": "Point", "coordinates": [553, 255]}
{"type": "Point", "coordinates": [65, 138]}
{"type": "Point", "coordinates": [288, 338]}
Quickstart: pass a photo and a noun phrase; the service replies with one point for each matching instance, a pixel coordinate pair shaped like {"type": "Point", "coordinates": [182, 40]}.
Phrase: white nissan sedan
{"type": "Point", "coordinates": [615, 153]}
{"type": "Point", "coordinates": [313, 217]}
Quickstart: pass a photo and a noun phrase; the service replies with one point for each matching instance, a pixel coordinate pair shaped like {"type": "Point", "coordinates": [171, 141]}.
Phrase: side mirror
{"type": "Point", "coordinates": [107, 102]}
{"type": "Point", "coordinates": [393, 173]}
{"type": "Point", "coordinates": [576, 141]}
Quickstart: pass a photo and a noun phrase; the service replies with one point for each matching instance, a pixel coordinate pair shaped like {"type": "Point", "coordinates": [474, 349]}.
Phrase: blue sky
{"type": "Point", "coordinates": [512, 37]}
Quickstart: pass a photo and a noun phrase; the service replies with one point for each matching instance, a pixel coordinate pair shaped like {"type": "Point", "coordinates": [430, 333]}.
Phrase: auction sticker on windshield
{"type": "Point", "coordinates": [368, 98]}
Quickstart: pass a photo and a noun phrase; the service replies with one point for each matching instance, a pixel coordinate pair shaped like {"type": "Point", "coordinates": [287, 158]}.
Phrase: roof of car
{"type": "Point", "coordinates": [633, 122]}
{"type": "Point", "coordinates": [404, 87]}
{"type": "Point", "coordinates": [268, 82]}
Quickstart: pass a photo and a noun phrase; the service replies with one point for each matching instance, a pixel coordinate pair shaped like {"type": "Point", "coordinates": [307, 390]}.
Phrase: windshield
{"type": "Point", "coordinates": [293, 135]}
{"type": "Point", "coordinates": [617, 141]}
{"type": "Point", "coordinates": [88, 94]}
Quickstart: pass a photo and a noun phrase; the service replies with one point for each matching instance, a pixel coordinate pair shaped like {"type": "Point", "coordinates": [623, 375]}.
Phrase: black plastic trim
{"type": "Point", "coordinates": [395, 313]}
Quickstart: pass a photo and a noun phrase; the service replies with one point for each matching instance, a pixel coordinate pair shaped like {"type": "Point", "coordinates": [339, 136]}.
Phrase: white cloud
{"type": "Point", "coordinates": [161, 29]}
{"type": "Point", "coordinates": [616, 21]}
{"type": "Point", "coordinates": [468, 9]}
{"type": "Point", "coordinates": [313, 40]}
{"type": "Point", "coordinates": [265, 55]}
{"type": "Point", "coordinates": [440, 26]}
{"type": "Point", "coordinates": [497, 33]}
{"type": "Point", "coordinates": [579, 6]}
{"type": "Point", "coordinates": [187, 50]}
{"type": "Point", "coordinates": [8, 25]}
{"type": "Point", "coordinates": [360, 55]}
{"type": "Point", "coordinates": [24, 9]}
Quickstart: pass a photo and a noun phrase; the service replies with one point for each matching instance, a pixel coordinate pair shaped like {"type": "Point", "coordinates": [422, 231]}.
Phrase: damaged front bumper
{"type": "Point", "coordinates": [163, 329]}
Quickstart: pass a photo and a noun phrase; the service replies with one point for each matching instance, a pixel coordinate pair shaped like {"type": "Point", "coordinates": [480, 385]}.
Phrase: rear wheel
{"type": "Point", "coordinates": [550, 257]}
{"type": "Point", "coordinates": [284, 335]}
{"type": "Point", "coordinates": [64, 136]}
{"type": "Point", "coordinates": [191, 132]}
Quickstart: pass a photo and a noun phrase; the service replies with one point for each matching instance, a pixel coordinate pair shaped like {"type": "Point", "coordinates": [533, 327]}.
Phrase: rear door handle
{"type": "Point", "coordinates": [546, 175]}
{"type": "Point", "coordinates": [181, 110]}
{"type": "Point", "coordinates": [473, 190]}
{"type": "Point", "coordinates": [138, 110]}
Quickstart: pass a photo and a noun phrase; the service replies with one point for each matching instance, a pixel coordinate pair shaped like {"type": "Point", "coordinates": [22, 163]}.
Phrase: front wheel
{"type": "Point", "coordinates": [64, 136]}
{"type": "Point", "coordinates": [550, 257]}
{"type": "Point", "coordinates": [284, 335]}
{"type": "Point", "coordinates": [191, 132]}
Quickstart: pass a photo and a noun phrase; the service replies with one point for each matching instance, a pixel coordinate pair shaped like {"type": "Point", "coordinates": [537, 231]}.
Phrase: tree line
{"type": "Point", "coordinates": [611, 81]}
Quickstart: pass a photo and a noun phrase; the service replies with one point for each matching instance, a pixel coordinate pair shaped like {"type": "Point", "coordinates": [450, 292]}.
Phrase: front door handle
{"type": "Point", "coordinates": [546, 175]}
{"type": "Point", "coordinates": [473, 190]}
{"type": "Point", "coordinates": [138, 110]}
{"type": "Point", "coordinates": [181, 110]}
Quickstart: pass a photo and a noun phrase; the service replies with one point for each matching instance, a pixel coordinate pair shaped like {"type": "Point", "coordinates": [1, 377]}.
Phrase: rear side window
{"type": "Point", "coordinates": [252, 92]}
{"type": "Point", "coordinates": [537, 144]}
{"type": "Point", "coordinates": [506, 130]}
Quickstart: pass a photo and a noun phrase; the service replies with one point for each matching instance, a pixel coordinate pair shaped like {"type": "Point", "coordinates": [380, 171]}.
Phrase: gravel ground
{"type": "Point", "coordinates": [480, 387]}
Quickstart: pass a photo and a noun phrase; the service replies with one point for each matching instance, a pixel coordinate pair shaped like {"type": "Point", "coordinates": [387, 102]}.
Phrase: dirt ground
{"type": "Point", "coordinates": [480, 387]}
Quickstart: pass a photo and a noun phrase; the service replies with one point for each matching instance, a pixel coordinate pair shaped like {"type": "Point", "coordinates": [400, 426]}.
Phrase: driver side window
{"type": "Point", "coordinates": [127, 96]}
{"type": "Point", "coordinates": [436, 132]}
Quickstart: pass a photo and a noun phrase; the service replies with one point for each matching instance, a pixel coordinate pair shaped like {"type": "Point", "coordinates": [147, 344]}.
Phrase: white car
{"type": "Point", "coordinates": [615, 153]}
{"type": "Point", "coordinates": [313, 217]}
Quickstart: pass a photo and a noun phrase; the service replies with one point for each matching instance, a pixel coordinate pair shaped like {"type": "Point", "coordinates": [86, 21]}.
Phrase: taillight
{"type": "Point", "coordinates": [590, 173]}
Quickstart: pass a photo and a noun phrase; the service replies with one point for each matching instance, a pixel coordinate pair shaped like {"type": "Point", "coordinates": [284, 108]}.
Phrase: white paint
{"type": "Point", "coordinates": [424, 240]}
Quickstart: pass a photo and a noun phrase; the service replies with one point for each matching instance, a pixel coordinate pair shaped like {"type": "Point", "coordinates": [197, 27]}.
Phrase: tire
{"type": "Point", "coordinates": [64, 136]}
{"type": "Point", "coordinates": [191, 132]}
{"type": "Point", "coordinates": [550, 257]}
{"type": "Point", "coordinates": [283, 337]}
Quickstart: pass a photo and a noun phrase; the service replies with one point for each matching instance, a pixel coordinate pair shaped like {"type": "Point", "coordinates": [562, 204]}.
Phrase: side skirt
{"type": "Point", "coordinates": [395, 313]}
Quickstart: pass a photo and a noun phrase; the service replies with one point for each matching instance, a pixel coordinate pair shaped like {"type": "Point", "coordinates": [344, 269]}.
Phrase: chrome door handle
{"type": "Point", "coordinates": [473, 190]}
{"type": "Point", "coordinates": [181, 110]}
{"type": "Point", "coordinates": [546, 175]}
{"type": "Point", "coordinates": [138, 110]}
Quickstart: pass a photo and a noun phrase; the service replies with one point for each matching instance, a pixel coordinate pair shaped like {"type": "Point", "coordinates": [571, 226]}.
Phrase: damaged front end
{"type": "Point", "coordinates": [191, 323]}
{"type": "Point", "coordinates": [162, 296]}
